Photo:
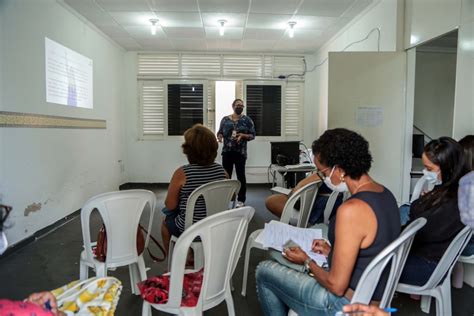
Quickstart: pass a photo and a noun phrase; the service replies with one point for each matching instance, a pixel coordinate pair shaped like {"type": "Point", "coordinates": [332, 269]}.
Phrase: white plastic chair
{"type": "Point", "coordinates": [420, 186]}
{"type": "Point", "coordinates": [468, 269]}
{"type": "Point", "coordinates": [217, 196]}
{"type": "Point", "coordinates": [329, 206]}
{"type": "Point", "coordinates": [223, 237]}
{"type": "Point", "coordinates": [120, 212]}
{"type": "Point", "coordinates": [396, 254]}
{"type": "Point", "coordinates": [439, 284]}
{"type": "Point", "coordinates": [306, 195]}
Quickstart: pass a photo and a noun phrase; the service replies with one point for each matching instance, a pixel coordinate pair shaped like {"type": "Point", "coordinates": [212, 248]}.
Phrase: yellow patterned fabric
{"type": "Point", "coordinates": [95, 296]}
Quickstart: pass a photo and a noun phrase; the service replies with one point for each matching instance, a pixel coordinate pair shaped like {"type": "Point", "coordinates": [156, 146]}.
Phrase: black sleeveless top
{"type": "Point", "coordinates": [385, 208]}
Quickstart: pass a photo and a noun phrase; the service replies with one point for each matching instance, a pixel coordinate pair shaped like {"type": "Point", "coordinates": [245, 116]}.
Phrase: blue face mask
{"type": "Point", "coordinates": [432, 177]}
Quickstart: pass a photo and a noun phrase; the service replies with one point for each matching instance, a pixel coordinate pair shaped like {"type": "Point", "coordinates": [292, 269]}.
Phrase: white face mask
{"type": "Point", "coordinates": [341, 187]}
{"type": "Point", "coordinates": [3, 243]}
{"type": "Point", "coordinates": [432, 177]}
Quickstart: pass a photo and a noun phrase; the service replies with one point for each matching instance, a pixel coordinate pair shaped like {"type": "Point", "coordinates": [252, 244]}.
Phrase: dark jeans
{"type": "Point", "coordinates": [231, 158]}
{"type": "Point", "coordinates": [417, 270]}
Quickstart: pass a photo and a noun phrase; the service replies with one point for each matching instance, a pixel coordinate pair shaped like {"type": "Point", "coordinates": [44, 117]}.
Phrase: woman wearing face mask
{"type": "Point", "coordinates": [363, 226]}
{"type": "Point", "coordinates": [236, 130]}
{"type": "Point", "coordinates": [444, 163]}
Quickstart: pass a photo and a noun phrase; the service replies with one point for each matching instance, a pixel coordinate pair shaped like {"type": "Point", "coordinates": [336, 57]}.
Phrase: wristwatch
{"type": "Point", "coordinates": [306, 265]}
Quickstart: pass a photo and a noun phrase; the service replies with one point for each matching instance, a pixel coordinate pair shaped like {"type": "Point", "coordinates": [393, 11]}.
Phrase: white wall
{"type": "Point", "coordinates": [434, 93]}
{"type": "Point", "coordinates": [155, 160]}
{"type": "Point", "coordinates": [383, 14]}
{"type": "Point", "coordinates": [464, 98]}
{"type": "Point", "coordinates": [427, 19]}
{"type": "Point", "coordinates": [55, 170]}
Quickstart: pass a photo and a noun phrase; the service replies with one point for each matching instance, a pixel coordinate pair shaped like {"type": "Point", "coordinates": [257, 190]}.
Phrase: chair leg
{"type": "Point", "coordinates": [230, 303]}
{"type": "Point", "coordinates": [101, 270]}
{"type": "Point", "coordinates": [170, 254]}
{"type": "Point", "coordinates": [132, 271]}
{"type": "Point", "coordinates": [246, 268]}
{"type": "Point", "coordinates": [425, 303]}
{"type": "Point", "coordinates": [445, 300]}
{"type": "Point", "coordinates": [83, 271]}
{"type": "Point", "coordinates": [146, 309]}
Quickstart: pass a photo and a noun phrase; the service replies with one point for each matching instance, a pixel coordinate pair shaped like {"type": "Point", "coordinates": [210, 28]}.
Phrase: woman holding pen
{"type": "Point", "coordinates": [364, 225]}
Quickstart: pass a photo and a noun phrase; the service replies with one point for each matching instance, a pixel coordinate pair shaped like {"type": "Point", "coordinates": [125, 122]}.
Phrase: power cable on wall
{"type": "Point", "coordinates": [326, 59]}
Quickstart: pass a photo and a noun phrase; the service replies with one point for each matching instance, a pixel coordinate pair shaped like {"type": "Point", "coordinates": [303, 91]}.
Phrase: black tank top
{"type": "Point", "coordinates": [385, 208]}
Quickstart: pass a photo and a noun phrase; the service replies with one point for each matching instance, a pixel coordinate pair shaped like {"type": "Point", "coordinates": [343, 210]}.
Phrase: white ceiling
{"type": "Point", "coordinates": [192, 25]}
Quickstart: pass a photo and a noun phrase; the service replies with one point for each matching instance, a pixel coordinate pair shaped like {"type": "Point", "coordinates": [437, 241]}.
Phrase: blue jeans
{"type": "Point", "coordinates": [417, 270]}
{"type": "Point", "coordinates": [280, 288]}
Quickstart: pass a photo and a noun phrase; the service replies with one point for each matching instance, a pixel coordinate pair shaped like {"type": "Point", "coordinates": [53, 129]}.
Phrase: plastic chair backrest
{"type": "Point", "coordinates": [217, 196]}
{"type": "Point", "coordinates": [419, 186]}
{"type": "Point", "coordinates": [329, 206]}
{"type": "Point", "coordinates": [223, 237]}
{"type": "Point", "coordinates": [120, 212]}
{"type": "Point", "coordinates": [449, 258]}
{"type": "Point", "coordinates": [395, 253]}
{"type": "Point", "coordinates": [306, 195]}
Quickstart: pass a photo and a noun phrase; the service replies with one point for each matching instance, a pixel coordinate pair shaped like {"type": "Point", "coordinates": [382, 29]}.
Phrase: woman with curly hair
{"type": "Point", "coordinates": [200, 147]}
{"type": "Point", "coordinates": [363, 226]}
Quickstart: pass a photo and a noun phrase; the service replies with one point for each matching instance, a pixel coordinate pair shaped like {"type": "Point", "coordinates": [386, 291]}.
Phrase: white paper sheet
{"type": "Point", "coordinates": [276, 234]}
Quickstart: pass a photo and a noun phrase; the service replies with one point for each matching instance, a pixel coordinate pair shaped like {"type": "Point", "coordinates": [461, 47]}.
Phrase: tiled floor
{"type": "Point", "coordinates": [53, 260]}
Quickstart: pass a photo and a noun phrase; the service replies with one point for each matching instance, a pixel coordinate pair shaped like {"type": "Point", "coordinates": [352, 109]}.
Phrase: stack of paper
{"type": "Point", "coordinates": [276, 234]}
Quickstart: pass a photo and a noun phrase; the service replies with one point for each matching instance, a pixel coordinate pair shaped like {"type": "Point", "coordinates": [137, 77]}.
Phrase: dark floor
{"type": "Point", "coordinates": [53, 260]}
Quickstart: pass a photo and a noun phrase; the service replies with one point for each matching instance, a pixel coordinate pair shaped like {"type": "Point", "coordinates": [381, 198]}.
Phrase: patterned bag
{"type": "Point", "coordinates": [156, 289]}
{"type": "Point", "coordinates": [95, 296]}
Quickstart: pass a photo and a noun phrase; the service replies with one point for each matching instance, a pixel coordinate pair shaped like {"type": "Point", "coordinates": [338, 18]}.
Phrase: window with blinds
{"type": "Point", "coordinates": [185, 107]}
{"type": "Point", "coordinates": [152, 114]}
{"type": "Point", "coordinates": [168, 105]}
{"type": "Point", "coordinates": [264, 107]}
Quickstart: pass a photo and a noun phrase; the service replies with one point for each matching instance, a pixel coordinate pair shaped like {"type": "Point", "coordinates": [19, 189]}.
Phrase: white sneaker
{"type": "Point", "coordinates": [239, 204]}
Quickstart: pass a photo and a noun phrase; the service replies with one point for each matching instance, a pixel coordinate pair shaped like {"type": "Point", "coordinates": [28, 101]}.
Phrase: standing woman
{"type": "Point", "coordinates": [236, 130]}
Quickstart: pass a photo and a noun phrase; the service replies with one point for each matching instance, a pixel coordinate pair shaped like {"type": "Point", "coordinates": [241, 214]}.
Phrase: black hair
{"type": "Point", "coordinates": [449, 156]}
{"type": "Point", "coordinates": [467, 142]}
{"type": "Point", "coordinates": [345, 149]}
{"type": "Point", "coordinates": [235, 101]}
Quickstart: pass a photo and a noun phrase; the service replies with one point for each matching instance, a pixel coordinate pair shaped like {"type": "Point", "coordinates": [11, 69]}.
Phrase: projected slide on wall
{"type": "Point", "coordinates": [68, 76]}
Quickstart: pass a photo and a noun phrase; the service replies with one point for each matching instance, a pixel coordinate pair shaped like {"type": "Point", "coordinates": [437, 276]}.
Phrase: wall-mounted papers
{"type": "Point", "coordinates": [369, 116]}
{"type": "Point", "coordinates": [276, 234]}
{"type": "Point", "coordinates": [68, 76]}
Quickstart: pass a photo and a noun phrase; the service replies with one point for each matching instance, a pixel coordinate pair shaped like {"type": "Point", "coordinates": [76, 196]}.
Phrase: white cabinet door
{"type": "Point", "coordinates": [367, 94]}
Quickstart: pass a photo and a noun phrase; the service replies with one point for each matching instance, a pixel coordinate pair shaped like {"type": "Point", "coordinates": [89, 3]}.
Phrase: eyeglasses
{"type": "Point", "coordinates": [5, 211]}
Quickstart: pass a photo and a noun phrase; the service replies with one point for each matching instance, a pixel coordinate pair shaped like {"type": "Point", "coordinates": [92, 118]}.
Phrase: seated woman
{"type": "Point", "coordinates": [276, 202]}
{"type": "Point", "coordinates": [200, 147]}
{"type": "Point", "coordinates": [444, 163]}
{"type": "Point", "coordinates": [364, 225]}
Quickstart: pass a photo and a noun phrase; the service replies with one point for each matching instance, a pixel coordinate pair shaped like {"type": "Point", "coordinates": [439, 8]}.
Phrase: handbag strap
{"type": "Point", "coordinates": [160, 247]}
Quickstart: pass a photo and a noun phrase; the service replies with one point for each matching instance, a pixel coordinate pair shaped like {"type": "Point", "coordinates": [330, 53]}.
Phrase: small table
{"type": "Point", "coordinates": [289, 170]}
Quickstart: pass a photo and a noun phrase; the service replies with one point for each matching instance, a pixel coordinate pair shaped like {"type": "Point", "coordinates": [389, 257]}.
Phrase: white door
{"type": "Point", "coordinates": [367, 94]}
